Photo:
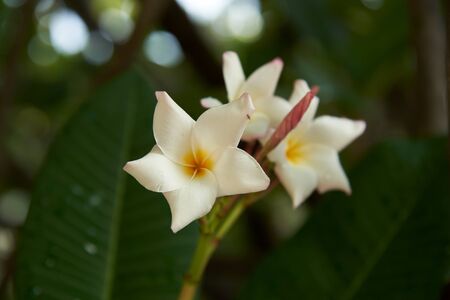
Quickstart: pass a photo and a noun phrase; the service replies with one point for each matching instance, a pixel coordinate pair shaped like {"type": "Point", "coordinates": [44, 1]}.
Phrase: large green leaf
{"type": "Point", "coordinates": [360, 47]}
{"type": "Point", "coordinates": [92, 231]}
{"type": "Point", "coordinates": [387, 241]}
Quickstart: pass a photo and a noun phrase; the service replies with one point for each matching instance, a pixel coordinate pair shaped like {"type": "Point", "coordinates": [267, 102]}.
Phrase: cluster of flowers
{"type": "Point", "coordinates": [193, 163]}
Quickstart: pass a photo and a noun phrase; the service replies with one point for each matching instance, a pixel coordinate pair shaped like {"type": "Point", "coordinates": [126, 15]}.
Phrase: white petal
{"type": "Point", "coordinates": [325, 161]}
{"type": "Point", "coordinates": [156, 150]}
{"type": "Point", "coordinates": [172, 128]}
{"type": "Point", "coordinates": [299, 181]}
{"type": "Point", "coordinates": [278, 154]}
{"type": "Point", "coordinates": [233, 74]}
{"type": "Point", "coordinates": [222, 126]}
{"type": "Point", "coordinates": [334, 132]}
{"type": "Point", "coordinates": [157, 173]}
{"type": "Point", "coordinates": [276, 108]}
{"type": "Point", "coordinates": [301, 87]}
{"type": "Point", "coordinates": [210, 102]}
{"type": "Point", "coordinates": [263, 140]}
{"type": "Point", "coordinates": [300, 90]}
{"type": "Point", "coordinates": [193, 201]}
{"type": "Point", "coordinates": [262, 83]}
{"type": "Point", "coordinates": [257, 127]}
{"type": "Point", "coordinates": [238, 173]}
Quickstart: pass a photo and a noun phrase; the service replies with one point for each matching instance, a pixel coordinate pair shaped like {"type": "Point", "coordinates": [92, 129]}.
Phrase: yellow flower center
{"type": "Point", "coordinates": [196, 163]}
{"type": "Point", "coordinates": [293, 151]}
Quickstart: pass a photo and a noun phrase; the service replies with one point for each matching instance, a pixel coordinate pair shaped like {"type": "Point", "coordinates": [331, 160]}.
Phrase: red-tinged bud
{"type": "Point", "coordinates": [289, 122]}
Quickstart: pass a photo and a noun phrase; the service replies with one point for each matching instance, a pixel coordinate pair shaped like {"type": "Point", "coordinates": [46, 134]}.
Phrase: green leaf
{"type": "Point", "coordinates": [387, 241]}
{"type": "Point", "coordinates": [92, 231]}
{"type": "Point", "coordinates": [362, 49]}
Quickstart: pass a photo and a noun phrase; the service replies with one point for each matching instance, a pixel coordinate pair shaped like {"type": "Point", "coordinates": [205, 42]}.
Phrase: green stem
{"type": "Point", "coordinates": [210, 237]}
{"type": "Point", "coordinates": [205, 248]}
{"type": "Point", "coordinates": [230, 218]}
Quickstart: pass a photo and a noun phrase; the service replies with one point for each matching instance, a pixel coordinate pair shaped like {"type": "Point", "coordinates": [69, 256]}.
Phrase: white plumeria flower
{"type": "Point", "coordinates": [308, 157]}
{"type": "Point", "coordinates": [261, 84]}
{"type": "Point", "coordinates": [195, 162]}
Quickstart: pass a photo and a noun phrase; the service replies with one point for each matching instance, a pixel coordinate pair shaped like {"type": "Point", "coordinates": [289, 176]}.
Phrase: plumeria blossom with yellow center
{"type": "Point", "coordinates": [193, 163]}
{"type": "Point", "coordinates": [308, 157]}
{"type": "Point", "coordinates": [261, 85]}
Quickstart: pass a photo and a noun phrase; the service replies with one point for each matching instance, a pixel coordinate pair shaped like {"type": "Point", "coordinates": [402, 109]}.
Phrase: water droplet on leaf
{"type": "Point", "coordinates": [90, 248]}
{"type": "Point", "coordinates": [36, 291]}
{"type": "Point", "coordinates": [77, 190]}
{"type": "Point", "coordinates": [95, 200]}
{"type": "Point", "coordinates": [50, 263]}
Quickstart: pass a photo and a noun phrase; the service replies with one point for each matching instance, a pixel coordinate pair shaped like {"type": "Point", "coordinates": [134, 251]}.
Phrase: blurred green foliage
{"type": "Point", "coordinates": [92, 231]}
{"type": "Point", "coordinates": [360, 53]}
{"type": "Point", "coordinates": [387, 241]}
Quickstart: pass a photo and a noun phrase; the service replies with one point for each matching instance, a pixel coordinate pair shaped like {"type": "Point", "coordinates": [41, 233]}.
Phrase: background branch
{"type": "Point", "coordinates": [196, 50]}
{"type": "Point", "coordinates": [83, 10]}
{"type": "Point", "coordinates": [429, 37]}
{"type": "Point", "coordinates": [150, 14]}
{"type": "Point", "coordinates": [18, 39]}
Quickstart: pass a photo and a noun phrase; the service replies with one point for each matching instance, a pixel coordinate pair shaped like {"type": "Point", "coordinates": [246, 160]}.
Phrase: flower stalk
{"type": "Point", "coordinates": [209, 240]}
{"type": "Point", "coordinates": [227, 210]}
{"type": "Point", "coordinates": [205, 248]}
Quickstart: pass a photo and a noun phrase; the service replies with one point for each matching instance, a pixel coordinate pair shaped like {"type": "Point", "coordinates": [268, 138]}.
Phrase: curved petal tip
{"type": "Point", "coordinates": [229, 54]}
{"type": "Point", "coordinates": [360, 127]}
{"type": "Point", "coordinates": [302, 84]}
{"type": "Point", "coordinates": [247, 103]}
{"type": "Point", "coordinates": [127, 167]}
{"type": "Point", "coordinates": [161, 95]}
{"type": "Point", "coordinates": [278, 61]}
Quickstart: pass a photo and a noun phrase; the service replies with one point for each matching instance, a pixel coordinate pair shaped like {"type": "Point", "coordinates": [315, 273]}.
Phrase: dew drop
{"type": "Point", "coordinates": [95, 200]}
{"type": "Point", "coordinates": [77, 190]}
{"type": "Point", "coordinates": [90, 248]}
{"type": "Point", "coordinates": [50, 263]}
{"type": "Point", "coordinates": [36, 291]}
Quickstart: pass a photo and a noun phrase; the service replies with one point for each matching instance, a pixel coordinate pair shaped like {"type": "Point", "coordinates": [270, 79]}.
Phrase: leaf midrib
{"type": "Point", "coordinates": [379, 252]}
{"type": "Point", "coordinates": [116, 219]}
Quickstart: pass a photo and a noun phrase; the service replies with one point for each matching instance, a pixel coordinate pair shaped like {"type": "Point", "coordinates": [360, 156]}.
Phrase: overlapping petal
{"type": "Point", "coordinates": [300, 90]}
{"type": "Point", "coordinates": [275, 108]}
{"type": "Point", "coordinates": [222, 126]}
{"type": "Point", "coordinates": [263, 81]}
{"type": "Point", "coordinates": [301, 87]}
{"type": "Point", "coordinates": [172, 127]}
{"type": "Point", "coordinates": [278, 154]}
{"type": "Point", "coordinates": [210, 102]}
{"type": "Point", "coordinates": [334, 132]}
{"type": "Point", "coordinates": [237, 173]}
{"type": "Point", "coordinates": [299, 181]}
{"type": "Point", "coordinates": [256, 127]}
{"type": "Point", "coordinates": [192, 201]}
{"type": "Point", "coordinates": [233, 74]}
{"type": "Point", "coordinates": [157, 173]}
{"type": "Point", "coordinates": [325, 161]}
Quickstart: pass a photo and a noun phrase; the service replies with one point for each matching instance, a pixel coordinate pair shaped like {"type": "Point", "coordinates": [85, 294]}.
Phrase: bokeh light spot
{"type": "Point", "coordinates": [99, 49]}
{"type": "Point", "coordinates": [117, 24]}
{"type": "Point", "coordinates": [14, 207]}
{"type": "Point", "coordinates": [40, 53]}
{"type": "Point", "coordinates": [43, 7]}
{"type": "Point", "coordinates": [204, 11]}
{"type": "Point", "coordinates": [372, 4]}
{"type": "Point", "coordinates": [14, 3]}
{"type": "Point", "coordinates": [244, 22]}
{"type": "Point", "coordinates": [162, 48]}
{"type": "Point", "coordinates": [68, 33]}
